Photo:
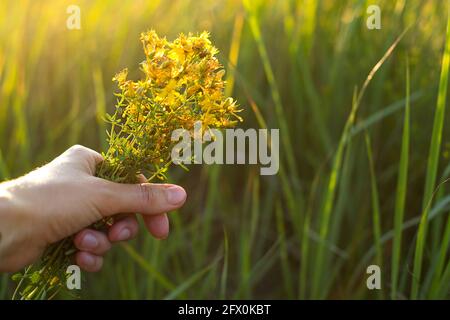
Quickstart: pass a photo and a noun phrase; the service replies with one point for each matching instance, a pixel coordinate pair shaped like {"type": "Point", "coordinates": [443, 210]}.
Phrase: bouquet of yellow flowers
{"type": "Point", "coordinates": [182, 84]}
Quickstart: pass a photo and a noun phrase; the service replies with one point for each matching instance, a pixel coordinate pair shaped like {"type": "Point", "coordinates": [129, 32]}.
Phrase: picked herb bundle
{"type": "Point", "coordinates": [182, 83]}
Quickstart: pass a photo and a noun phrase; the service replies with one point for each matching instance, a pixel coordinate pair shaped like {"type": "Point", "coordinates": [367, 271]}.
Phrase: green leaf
{"type": "Point", "coordinates": [16, 276]}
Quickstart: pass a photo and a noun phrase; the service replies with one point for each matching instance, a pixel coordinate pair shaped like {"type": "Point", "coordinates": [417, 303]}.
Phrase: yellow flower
{"type": "Point", "coordinates": [182, 83]}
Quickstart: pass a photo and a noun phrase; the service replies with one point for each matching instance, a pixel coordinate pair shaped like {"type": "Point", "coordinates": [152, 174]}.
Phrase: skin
{"type": "Point", "coordinates": [64, 198]}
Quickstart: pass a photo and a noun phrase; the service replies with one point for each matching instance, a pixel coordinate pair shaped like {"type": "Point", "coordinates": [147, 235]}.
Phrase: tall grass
{"type": "Point", "coordinates": [375, 207]}
{"type": "Point", "coordinates": [340, 201]}
{"type": "Point", "coordinates": [433, 161]}
{"type": "Point", "coordinates": [401, 193]}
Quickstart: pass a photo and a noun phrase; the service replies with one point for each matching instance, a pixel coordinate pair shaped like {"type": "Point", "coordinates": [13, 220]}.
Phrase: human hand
{"type": "Point", "coordinates": [64, 198]}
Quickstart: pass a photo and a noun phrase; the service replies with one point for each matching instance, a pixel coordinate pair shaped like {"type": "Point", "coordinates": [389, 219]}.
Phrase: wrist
{"type": "Point", "coordinates": [8, 226]}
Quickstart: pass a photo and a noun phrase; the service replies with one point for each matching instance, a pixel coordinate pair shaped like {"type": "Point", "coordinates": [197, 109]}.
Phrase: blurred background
{"type": "Point", "coordinates": [310, 231]}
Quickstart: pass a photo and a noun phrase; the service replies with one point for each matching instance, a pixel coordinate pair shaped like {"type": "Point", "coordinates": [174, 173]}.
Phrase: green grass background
{"type": "Point", "coordinates": [361, 158]}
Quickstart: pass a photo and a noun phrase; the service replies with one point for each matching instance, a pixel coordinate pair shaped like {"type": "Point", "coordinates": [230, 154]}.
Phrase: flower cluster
{"type": "Point", "coordinates": [182, 83]}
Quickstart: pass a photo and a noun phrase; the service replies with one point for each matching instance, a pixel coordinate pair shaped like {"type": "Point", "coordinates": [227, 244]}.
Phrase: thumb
{"type": "Point", "coordinates": [144, 198]}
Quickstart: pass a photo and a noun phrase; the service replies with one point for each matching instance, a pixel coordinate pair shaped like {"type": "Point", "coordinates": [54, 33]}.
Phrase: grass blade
{"type": "Point", "coordinates": [329, 201]}
{"type": "Point", "coordinates": [166, 283]}
{"type": "Point", "coordinates": [375, 208]}
{"type": "Point", "coordinates": [436, 281]}
{"type": "Point", "coordinates": [224, 276]}
{"type": "Point", "coordinates": [433, 161]}
{"type": "Point", "coordinates": [286, 271]}
{"type": "Point", "coordinates": [189, 282]}
{"type": "Point", "coordinates": [401, 193]}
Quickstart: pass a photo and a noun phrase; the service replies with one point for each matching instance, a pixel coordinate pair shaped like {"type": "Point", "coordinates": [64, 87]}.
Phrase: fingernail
{"type": "Point", "coordinates": [124, 234]}
{"type": "Point", "coordinates": [175, 195]}
{"type": "Point", "coordinates": [89, 241]}
{"type": "Point", "coordinates": [88, 260]}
